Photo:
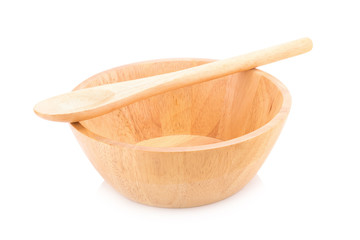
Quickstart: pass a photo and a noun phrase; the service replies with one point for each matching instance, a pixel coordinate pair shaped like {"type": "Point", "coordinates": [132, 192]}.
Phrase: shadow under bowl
{"type": "Point", "coordinates": [187, 147]}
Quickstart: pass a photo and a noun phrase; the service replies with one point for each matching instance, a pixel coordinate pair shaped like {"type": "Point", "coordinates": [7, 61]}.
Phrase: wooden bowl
{"type": "Point", "coordinates": [188, 147]}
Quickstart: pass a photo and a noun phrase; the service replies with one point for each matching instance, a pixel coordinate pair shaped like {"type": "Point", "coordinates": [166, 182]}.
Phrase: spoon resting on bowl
{"type": "Point", "coordinates": [92, 102]}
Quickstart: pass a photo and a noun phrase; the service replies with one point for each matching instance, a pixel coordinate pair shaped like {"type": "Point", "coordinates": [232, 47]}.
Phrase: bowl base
{"type": "Point", "coordinates": [178, 141]}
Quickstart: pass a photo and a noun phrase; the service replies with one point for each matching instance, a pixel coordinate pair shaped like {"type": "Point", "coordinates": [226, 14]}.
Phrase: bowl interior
{"type": "Point", "coordinates": [205, 113]}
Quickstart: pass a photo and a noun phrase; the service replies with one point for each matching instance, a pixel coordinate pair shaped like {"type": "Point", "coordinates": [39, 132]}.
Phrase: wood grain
{"type": "Point", "coordinates": [178, 141]}
{"type": "Point", "coordinates": [240, 116]}
{"type": "Point", "coordinates": [88, 103]}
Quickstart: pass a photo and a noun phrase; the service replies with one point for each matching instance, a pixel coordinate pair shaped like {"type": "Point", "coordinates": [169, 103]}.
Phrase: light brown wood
{"type": "Point", "coordinates": [233, 122]}
{"type": "Point", "coordinates": [88, 103]}
{"type": "Point", "coordinates": [178, 141]}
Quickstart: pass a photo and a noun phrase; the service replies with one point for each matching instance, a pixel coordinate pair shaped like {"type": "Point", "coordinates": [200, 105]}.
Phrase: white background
{"type": "Point", "coordinates": [308, 188]}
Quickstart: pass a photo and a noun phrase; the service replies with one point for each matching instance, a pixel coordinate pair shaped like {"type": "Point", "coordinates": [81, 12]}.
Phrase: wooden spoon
{"type": "Point", "coordinates": [92, 102]}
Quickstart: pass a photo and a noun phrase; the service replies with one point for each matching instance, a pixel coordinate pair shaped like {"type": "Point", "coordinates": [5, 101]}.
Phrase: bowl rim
{"type": "Point", "coordinates": [281, 115]}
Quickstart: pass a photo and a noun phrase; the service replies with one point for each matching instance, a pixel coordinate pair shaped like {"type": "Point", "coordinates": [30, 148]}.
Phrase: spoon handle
{"type": "Point", "coordinates": [217, 69]}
